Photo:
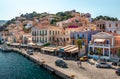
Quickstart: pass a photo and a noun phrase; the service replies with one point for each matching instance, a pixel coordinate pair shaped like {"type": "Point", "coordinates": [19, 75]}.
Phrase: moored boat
{"type": "Point", "coordinates": [5, 48]}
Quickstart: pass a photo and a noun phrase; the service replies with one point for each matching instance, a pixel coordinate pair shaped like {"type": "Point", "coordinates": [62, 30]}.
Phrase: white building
{"type": "Point", "coordinates": [113, 26]}
{"type": "Point", "coordinates": [45, 34]}
{"type": "Point", "coordinates": [108, 26]}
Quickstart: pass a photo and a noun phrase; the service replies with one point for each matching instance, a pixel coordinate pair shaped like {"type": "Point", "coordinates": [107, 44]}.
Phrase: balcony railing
{"type": "Point", "coordinates": [105, 45]}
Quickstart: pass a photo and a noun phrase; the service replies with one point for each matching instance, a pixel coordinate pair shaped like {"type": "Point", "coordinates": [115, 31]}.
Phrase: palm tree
{"type": "Point", "coordinates": [79, 44]}
{"type": "Point", "coordinates": [99, 51]}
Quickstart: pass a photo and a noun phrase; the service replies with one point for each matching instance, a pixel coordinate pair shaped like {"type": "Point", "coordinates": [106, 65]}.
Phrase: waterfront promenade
{"type": "Point", "coordinates": [87, 72]}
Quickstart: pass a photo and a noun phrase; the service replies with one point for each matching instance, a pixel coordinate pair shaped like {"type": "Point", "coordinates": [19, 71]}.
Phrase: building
{"type": "Point", "coordinates": [85, 35]}
{"type": "Point", "coordinates": [101, 25]}
{"type": "Point", "coordinates": [113, 26]}
{"type": "Point", "coordinates": [109, 43]}
{"type": "Point", "coordinates": [45, 34]}
{"type": "Point", "coordinates": [108, 26]}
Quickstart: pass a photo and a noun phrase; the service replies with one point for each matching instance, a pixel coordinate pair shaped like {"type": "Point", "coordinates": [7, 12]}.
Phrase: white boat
{"type": "Point", "coordinates": [5, 48]}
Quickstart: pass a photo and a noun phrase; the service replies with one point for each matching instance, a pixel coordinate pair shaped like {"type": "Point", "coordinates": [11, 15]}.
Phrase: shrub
{"type": "Point", "coordinates": [91, 52]}
{"type": "Point", "coordinates": [47, 44]}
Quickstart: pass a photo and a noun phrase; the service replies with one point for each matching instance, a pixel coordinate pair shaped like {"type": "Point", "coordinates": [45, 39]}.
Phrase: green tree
{"type": "Point", "coordinates": [79, 45]}
{"type": "Point", "coordinates": [99, 52]}
{"type": "Point", "coordinates": [118, 54]}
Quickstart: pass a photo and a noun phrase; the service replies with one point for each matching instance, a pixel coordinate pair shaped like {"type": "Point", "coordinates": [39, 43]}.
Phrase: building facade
{"type": "Point", "coordinates": [109, 43]}
{"type": "Point", "coordinates": [108, 26]}
{"type": "Point", "coordinates": [45, 34]}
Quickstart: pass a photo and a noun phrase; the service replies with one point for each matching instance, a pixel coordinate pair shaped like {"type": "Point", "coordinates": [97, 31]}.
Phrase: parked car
{"type": "Point", "coordinates": [103, 65]}
{"type": "Point", "coordinates": [30, 52]}
{"type": "Point", "coordinates": [61, 63]}
{"type": "Point", "coordinates": [117, 71]}
{"type": "Point", "coordinates": [84, 58]}
{"type": "Point", "coordinates": [116, 63]}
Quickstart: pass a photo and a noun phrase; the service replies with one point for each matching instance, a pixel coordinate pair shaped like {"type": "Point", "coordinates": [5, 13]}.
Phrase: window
{"type": "Point", "coordinates": [45, 32]}
{"type": "Point", "coordinates": [98, 25]}
{"type": "Point", "coordinates": [103, 26]}
{"type": "Point", "coordinates": [46, 39]}
{"type": "Point", "coordinates": [53, 39]}
{"type": "Point", "coordinates": [37, 32]}
{"type": "Point", "coordinates": [109, 25]}
{"type": "Point", "coordinates": [50, 38]}
{"type": "Point", "coordinates": [67, 39]}
{"type": "Point", "coordinates": [56, 32]}
{"type": "Point", "coordinates": [116, 24]}
{"type": "Point", "coordinates": [32, 32]}
{"type": "Point", "coordinates": [40, 32]}
{"type": "Point", "coordinates": [50, 32]}
{"type": "Point", "coordinates": [40, 39]}
{"type": "Point", "coordinates": [53, 32]}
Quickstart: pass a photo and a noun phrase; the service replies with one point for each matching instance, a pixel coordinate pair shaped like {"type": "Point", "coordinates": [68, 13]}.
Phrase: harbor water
{"type": "Point", "coordinates": [15, 66]}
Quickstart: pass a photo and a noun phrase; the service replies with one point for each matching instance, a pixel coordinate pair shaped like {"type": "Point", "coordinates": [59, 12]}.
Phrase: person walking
{"type": "Point", "coordinates": [79, 63]}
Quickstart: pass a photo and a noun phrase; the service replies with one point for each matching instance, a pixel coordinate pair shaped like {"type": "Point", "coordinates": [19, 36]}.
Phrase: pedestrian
{"type": "Point", "coordinates": [80, 64]}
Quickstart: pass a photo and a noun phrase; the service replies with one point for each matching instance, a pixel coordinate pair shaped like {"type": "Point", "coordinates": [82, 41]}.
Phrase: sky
{"type": "Point", "coordinates": [12, 8]}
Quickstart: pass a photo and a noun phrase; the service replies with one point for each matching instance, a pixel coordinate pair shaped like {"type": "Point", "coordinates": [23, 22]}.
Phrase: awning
{"type": "Point", "coordinates": [15, 44]}
{"type": "Point", "coordinates": [99, 40]}
{"type": "Point", "coordinates": [31, 43]}
{"type": "Point", "coordinates": [73, 50]}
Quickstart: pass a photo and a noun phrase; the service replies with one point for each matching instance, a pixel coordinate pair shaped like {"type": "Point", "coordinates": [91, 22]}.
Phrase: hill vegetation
{"type": "Point", "coordinates": [105, 18]}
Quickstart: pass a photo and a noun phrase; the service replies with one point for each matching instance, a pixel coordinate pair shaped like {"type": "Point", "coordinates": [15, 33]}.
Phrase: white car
{"type": "Point", "coordinates": [103, 65]}
{"type": "Point", "coordinates": [30, 52]}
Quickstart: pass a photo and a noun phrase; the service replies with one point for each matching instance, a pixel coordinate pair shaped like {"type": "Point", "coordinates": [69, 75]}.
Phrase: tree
{"type": "Point", "coordinates": [118, 54]}
{"type": "Point", "coordinates": [79, 45]}
{"type": "Point", "coordinates": [99, 52]}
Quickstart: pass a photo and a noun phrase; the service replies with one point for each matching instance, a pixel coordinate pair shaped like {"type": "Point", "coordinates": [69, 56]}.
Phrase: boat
{"type": "Point", "coordinates": [5, 48]}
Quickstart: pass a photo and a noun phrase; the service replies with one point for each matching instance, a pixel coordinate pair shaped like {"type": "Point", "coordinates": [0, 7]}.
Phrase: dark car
{"type": "Point", "coordinates": [61, 63]}
{"type": "Point", "coordinates": [103, 65]}
{"type": "Point", "coordinates": [116, 63]}
{"type": "Point", "coordinates": [117, 71]}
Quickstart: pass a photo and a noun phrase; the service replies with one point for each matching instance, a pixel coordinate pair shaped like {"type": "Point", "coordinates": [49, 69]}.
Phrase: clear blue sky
{"type": "Point", "coordinates": [12, 8]}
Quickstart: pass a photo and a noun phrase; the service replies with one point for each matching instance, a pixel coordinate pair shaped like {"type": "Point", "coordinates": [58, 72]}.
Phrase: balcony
{"type": "Point", "coordinates": [100, 45]}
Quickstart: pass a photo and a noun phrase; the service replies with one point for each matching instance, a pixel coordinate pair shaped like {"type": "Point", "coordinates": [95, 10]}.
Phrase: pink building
{"type": "Point", "coordinates": [108, 42]}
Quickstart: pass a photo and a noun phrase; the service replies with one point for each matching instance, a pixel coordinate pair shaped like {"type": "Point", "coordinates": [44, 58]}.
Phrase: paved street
{"type": "Point", "coordinates": [87, 72]}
